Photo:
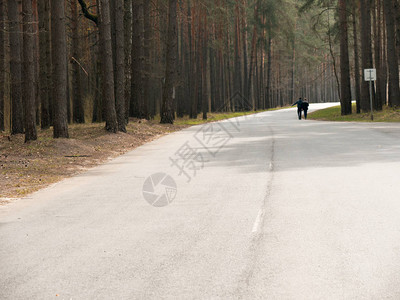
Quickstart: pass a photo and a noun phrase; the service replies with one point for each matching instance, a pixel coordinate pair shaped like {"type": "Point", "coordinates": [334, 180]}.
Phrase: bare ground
{"type": "Point", "coordinates": [26, 168]}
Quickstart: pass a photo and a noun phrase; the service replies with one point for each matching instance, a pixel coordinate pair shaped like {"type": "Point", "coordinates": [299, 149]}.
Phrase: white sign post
{"type": "Point", "coordinates": [370, 75]}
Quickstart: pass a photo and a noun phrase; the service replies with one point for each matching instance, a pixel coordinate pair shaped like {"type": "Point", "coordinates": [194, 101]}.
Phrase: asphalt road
{"type": "Point", "coordinates": [265, 207]}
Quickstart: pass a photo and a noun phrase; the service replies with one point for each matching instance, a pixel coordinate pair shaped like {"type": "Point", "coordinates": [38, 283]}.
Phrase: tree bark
{"type": "Point", "coordinates": [167, 112]}
{"type": "Point", "coordinates": [245, 50]}
{"type": "Point", "coordinates": [392, 56]}
{"type": "Point", "coordinates": [137, 102]}
{"type": "Point", "coordinates": [146, 52]}
{"type": "Point", "coordinates": [28, 91]}
{"type": "Point", "coordinates": [44, 61]}
{"type": "Point", "coordinates": [128, 50]}
{"type": "Point", "coordinates": [366, 53]}
{"type": "Point", "coordinates": [198, 55]}
{"type": "Point", "coordinates": [377, 54]}
{"type": "Point", "coordinates": [204, 80]}
{"type": "Point", "coordinates": [17, 119]}
{"type": "Point", "coordinates": [59, 54]}
{"type": "Point", "coordinates": [49, 64]}
{"type": "Point", "coordinates": [77, 97]}
{"type": "Point", "coordinates": [237, 58]}
{"type": "Point", "coordinates": [36, 58]}
{"type": "Point", "coordinates": [107, 67]}
{"type": "Point", "coordinates": [397, 20]}
{"type": "Point", "coordinates": [191, 67]}
{"type": "Point", "coordinates": [356, 60]}
{"type": "Point", "coordinates": [119, 64]}
{"type": "Point", "coordinates": [267, 103]}
{"type": "Point", "coordinates": [252, 58]}
{"type": "Point", "coordinates": [293, 68]}
{"type": "Point", "coordinates": [2, 63]}
{"type": "Point", "coordinates": [345, 97]}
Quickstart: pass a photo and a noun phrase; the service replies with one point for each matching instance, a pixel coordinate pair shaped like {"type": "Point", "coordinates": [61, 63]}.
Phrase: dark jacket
{"type": "Point", "coordinates": [305, 105]}
{"type": "Point", "coordinates": [299, 103]}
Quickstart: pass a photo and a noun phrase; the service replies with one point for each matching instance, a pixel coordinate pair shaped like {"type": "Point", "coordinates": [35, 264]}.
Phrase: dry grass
{"type": "Point", "coordinates": [387, 114]}
{"type": "Point", "coordinates": [26, 168]}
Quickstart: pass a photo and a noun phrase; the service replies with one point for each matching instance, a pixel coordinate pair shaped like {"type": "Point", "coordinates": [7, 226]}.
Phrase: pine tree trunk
{"type": "Point", "coordinates": [204, 80]}
{"type": "Point", "coordinates": [213, 78]}
{"type": "Point", "coordinates": [377, 54]}
{"type": "Point", "coordinates": [77, 98]}
{"type": "Point", "coordinates": [2, 63]}
{"type": "Point", "coordinates": [245, 51]}
{"type": "Point", "coordinates": [106, 56]}
{"type": "Point", "coordinates": [198, 91]}
{"type": "Point", "coordinates": [119, 64]}
{"type": "Point", "coordinates": [192, 96]}
{"type": "Point", "coordinates": [392, 56]}
{"type": "Point", "coordinates": [397, 20]}
{"type": "Point", "coordinates": [188, 62]}
{"type": "Point", "coordinates": [252, 59]}
{"type": "Point", "coordinates": [44, 9]}
{"type": "Point", "coordinates": [385, 74]}
{"type": "Point", "coordinates": [293, 70]}
{"type": "Point", "coordinates": [256, 81]}
{"type": "Point", "coordinates": [268, 103]}
{"type": "Point", "coordinates": [17, 115]}
{"type": "Point", "coordinates": [36, 58]}
{"type": "Point", "coordinates": [59, 54]}
{"type": "Point", "coordinates": [366, 53]}
{"type": "Point", "coordinates": [28, 90]}
{"type": "Point", "coordinates": [345, 91]}
{"type": "Point", "coordinates": [356, 60]}
{"type": "Point", "coordinates": [128, 50]}
{"type": "Point", "coordinates": [167, 112]}
{"type": "Point", "coordinates": [47, 29]}
{"type": "Point", "coordinates": [137, 103]}
{"type": "Point", "coordinates": [180, 93]}
{"type": "Point", "coordinates": [237, 59]}
{"type": "Point", "coordinates": [98, 103]}
{"type": "Point", "coordinates": [146, 52]}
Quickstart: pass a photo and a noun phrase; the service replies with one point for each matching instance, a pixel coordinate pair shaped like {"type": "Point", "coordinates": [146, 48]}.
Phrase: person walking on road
{"type": "Point", "coordinates": [304, 106]}
{"type": "Point", "coordinates": [299, 107]}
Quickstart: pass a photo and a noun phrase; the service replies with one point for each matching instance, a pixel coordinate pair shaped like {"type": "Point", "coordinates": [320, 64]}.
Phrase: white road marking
{"type": "Point", "coordinates": [258, 221]}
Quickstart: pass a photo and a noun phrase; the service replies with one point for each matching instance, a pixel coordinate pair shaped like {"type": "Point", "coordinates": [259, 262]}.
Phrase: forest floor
{"type": "Point", "coordinates": [28, 167]}
{"type": "Point", "coordinates": [387, 114]}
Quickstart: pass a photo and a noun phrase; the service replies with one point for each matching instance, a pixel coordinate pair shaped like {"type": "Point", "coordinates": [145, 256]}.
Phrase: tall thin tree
{"type": "Point", "coordinates": [392, 56]}
{"type": "Point", "coordinates": [59, 54]}
{"type": "Point", "coordinates": [146, 53]}
{"type": "Point", "coordinates": [2, 63]}
{"type": "Point", "coordinates": [345, 92]}
{"type": "Point", "coordinates": [356, 59]}
{"type": "Point", "coordinates": [78, 112]}
{"type": "Point", "coordinates": [17, 115]}
{"type": "Point", "coordinates": [377, 54]}
{"type": "Point", "coordinates": [167, 110]}
{"type": "Point", "coordinates": [119, 64]}
{"type": "Point", "coordinates": [137, 101]}
{"type": "Point", "coordinates": [107, 67]}
{"type": "Point", "coordinates": [128, 47]}
{"type": "Point", "coordinates": [44, 61]}
{"type": "Point", "coordinates": [366, 51]}
{"type": "Point", "coordinates": [28, 90]}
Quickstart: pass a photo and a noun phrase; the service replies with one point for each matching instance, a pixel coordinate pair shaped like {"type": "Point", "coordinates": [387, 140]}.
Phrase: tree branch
{"type": "Point", "coordinates": [87, 13]}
